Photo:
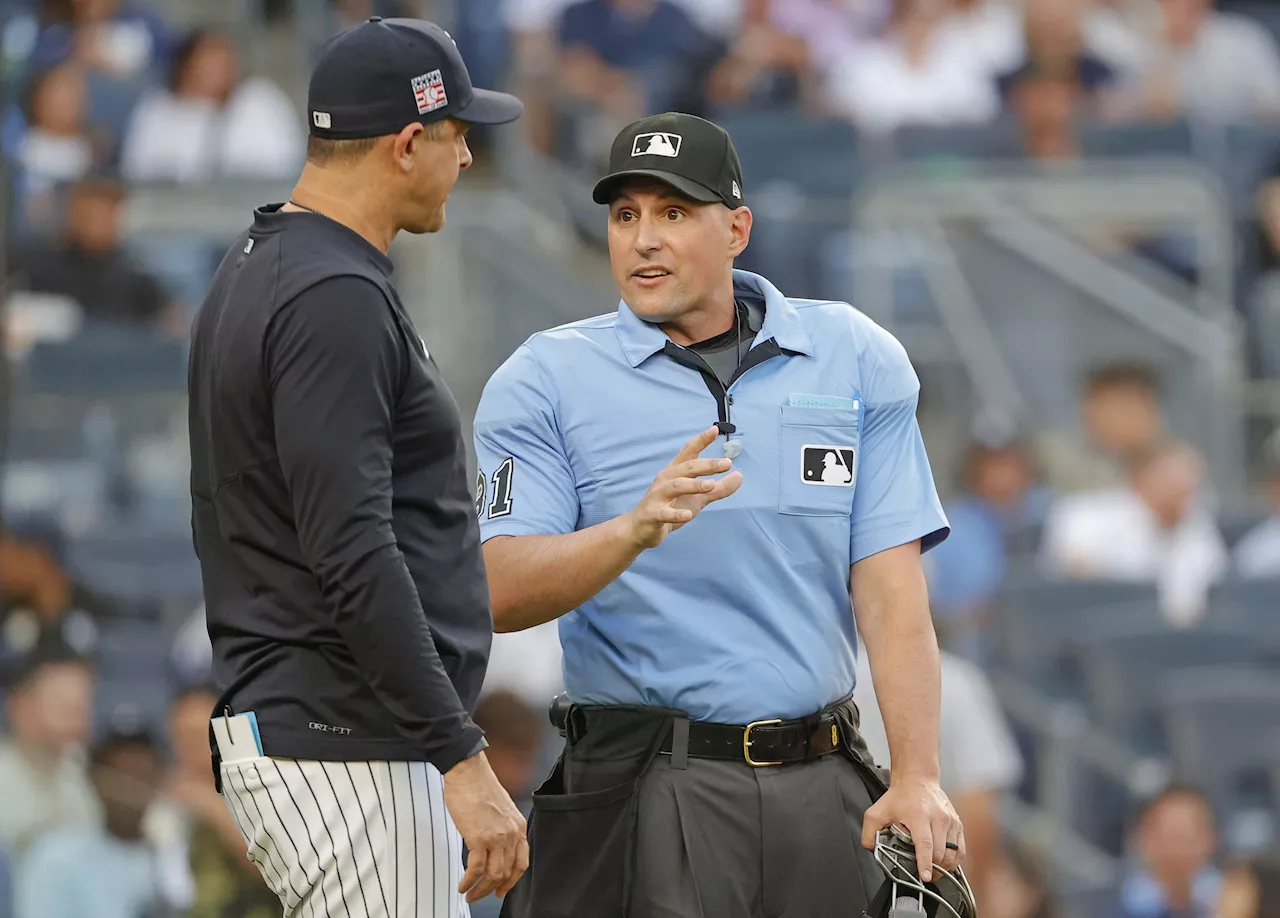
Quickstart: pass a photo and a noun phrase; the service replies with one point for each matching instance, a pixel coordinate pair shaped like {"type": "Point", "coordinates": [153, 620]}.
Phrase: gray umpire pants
{"type": "Point", "coordinates": [725, 840]}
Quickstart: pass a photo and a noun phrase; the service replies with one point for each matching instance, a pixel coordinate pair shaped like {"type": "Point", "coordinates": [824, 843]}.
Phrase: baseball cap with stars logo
{"type": "Point", "coordinates": [376, 77]}
{"type": "Point", "coordinates": [688, 153]}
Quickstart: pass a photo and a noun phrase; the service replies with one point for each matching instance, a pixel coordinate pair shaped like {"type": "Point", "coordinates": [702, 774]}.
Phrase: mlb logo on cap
{"type": "Point", "coordinates": [660, 143]}
{"type": "Point", "coordinates": [428, 92]}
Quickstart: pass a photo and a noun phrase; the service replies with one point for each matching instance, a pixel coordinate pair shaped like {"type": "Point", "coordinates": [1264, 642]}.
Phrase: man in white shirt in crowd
{"type": "Point", "coordinates": [979, 757]}
{"type": "Point", "coordinates": [43, 784]}
{"type": "Point", "coordinates": [1210, 64]}
{"type": "Point", "coordinates": [1157, 528]}
{"type": "Point", "coordinates": [1257, 555]}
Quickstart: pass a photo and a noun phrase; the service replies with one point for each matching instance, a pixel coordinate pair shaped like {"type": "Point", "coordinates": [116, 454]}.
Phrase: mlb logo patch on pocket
{"type": "Point", "coordinates": [827, 466]}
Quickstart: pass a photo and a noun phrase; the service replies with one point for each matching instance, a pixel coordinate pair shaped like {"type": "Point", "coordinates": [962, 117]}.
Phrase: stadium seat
{"type": "Point", "coordinates": [1124, 673]}
{"type": "Point", "coordinates": [1221, 722]}
{"type": "Point", "coordinates": [1253, 605]}
{"type": "Point", "coordinates": [818, 156]}
{"type": "Point", "coordinates": [1164, 139]}
{"type": "Point", "coordinates": [143, 567]}
{"type": "Point", "coordinates": [1041, 618]}
{"type": "Point", "coordinates": [105, 362]}
{"type": "Point", "coordinates": [970, 142]}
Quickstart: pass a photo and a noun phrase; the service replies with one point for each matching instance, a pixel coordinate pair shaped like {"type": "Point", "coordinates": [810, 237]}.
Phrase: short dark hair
{"type": "Point", "coordinates": [50, 650]}
{"type": "Point", "coordinates": [186, 48]}
{"type": "Point", "coordinates": [325, 150]}
{"type": "Point", "coordinates": [120, 740]}
{"type": "Point", "coordinates": [1153, 802]}
{"type": "Point", "coordinates": [1123, 374]}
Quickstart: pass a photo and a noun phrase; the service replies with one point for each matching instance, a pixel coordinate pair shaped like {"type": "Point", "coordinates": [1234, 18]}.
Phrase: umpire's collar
{"type": "Point", "coordinates": [640, 340]}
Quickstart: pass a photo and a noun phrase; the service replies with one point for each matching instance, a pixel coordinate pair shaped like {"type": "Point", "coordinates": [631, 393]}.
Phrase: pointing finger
{"type": "Point", "coordinates": [923, 838]}
{"type": "Point", "coordinates": [695, 445]}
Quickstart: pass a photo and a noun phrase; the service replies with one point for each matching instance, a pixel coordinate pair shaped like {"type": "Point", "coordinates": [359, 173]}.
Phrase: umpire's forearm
{"type": "Point", "coordinates": [891, 603]}
{"type": "Point", "coordinates": [537, 578]}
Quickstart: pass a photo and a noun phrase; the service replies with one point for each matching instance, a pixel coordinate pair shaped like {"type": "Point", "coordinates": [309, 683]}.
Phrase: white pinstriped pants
{"type": "Point", "coordinates": [349, 839]}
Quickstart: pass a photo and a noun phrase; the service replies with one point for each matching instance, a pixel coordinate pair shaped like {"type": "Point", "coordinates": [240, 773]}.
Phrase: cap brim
{"type": "Point", "coordinates": [604, 190]}
{"type": "Point", "coordinates": [489, 107]}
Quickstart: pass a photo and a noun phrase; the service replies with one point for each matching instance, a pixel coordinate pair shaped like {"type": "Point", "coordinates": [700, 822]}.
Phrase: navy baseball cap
{"type": "Point", "coordinates": [374, 78]}
{"type": "Point", "coordinates": [688, 153]}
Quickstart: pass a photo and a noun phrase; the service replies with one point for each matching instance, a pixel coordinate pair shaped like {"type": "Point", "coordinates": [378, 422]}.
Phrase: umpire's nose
{"type": "Point", "coordinates": [648, 235]}
{"type": "Point", "coordinates": [464, 155]}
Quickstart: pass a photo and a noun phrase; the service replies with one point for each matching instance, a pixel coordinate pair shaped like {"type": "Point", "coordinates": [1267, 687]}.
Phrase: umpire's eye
{"type": "Point", "coordinates": [674, 213]}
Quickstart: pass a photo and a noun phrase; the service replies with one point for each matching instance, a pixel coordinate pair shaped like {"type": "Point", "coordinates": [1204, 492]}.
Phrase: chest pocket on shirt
{"type": "Point", "coordinates": [818, 460]}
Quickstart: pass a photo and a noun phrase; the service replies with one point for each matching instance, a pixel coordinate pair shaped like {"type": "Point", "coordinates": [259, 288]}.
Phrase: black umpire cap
{"type": "Point", "coordinates": [690, 154]}
{"type": "Point", "coordinates": [374, 78]}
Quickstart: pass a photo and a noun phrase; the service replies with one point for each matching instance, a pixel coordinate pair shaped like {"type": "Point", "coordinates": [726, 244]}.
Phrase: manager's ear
{"type": "Point", "coordinates": [740, 221]}
{"type": "Point", "coordinates": [404, 143]}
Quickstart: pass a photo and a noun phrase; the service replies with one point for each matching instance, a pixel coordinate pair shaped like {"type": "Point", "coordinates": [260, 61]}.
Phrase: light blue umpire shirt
{"type": "Point", "coordinates": [743, 614]}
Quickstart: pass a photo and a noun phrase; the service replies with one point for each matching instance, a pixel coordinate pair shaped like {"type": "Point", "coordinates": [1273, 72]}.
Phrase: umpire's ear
{"type": "Point", "coordinates": [740, 221]}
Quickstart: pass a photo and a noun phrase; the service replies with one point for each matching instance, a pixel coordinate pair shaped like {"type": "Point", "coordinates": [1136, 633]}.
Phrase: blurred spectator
{"type": "Point", "coordinates": [918, 72]}
{"type": "Point", "coordinates": [31, 577]}
{"type": "Point", "coordinates": [112, 37]}
{"type": "Point", "coordinates": [1157, 529]}
{"type": "Point", "coordinates": [1263, 335]}
{"type": "Point", "coordinates": [997, 519]}
{"type": "Point", "coordinates": [1055, 62]}
{"type": "Point", "coordinates": [42, 780]}
{"type": "Point", "coordinates": [209, 123]}
{"type": "Point", "coordinates": [1251, 889]}
{"type": "Point", "coordinates": [765, 67]}
{"type": "Point", "coordinates": [109, 871]}
{"type": "Point", "coordinates": [979, 757]}
{"type": "Point", "coordinates": [514, 731]}
{"type": "Point", "coordinates": [832, 30]}
{"type": "Point", "coordinates": [191, 817]}
{"type": "Point", "coordinates": [1210, 64]}
{"type": "Point", "coordinates": [992, 28]}
{"type": "Point", "coordinates": [90, 267]}
{"type": "Point", "coordinates": [1257, 554]}
{"type": "Point", "coordinates": [1175, 839]}
{"type": "Point", "coordinates": [1016, 888]}
{"type": "Point", "coordinates": [1123, 421]}
{"type": "Point", "coordinates": [621, 59]}
{"type": "Point", "coordinates": [56, 145]}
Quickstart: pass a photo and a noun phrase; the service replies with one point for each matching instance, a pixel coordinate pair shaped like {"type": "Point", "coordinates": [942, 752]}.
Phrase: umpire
{"type": "Point", "coordinates": [713, 765]}
{"type": "Point", "coordinates": [343, 578]}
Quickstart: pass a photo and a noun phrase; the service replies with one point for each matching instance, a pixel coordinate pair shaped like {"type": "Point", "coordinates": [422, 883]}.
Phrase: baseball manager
{"type": "Point", "coordinates": [332, 513]}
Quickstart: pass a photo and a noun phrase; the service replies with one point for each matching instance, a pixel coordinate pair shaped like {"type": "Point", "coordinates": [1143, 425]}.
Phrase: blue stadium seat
{"type": "Point", "coordinates": [1221, 723]}
{"type": "Point", "coordinates": [1042, 618]}
{"type": "Point", "coordinates": [137, 566]}
{"type": "Point", "coordinates": [1124, 673]}
{"type": "Point", "coordinates": [1243, 158]}
{"type": "Point", "coordinates": [818, 156]}
{"type": "Point", "coordinates": [1164, 139]}
{"type": "Point", "coordinates": [1253, 605]}
{"type": "Point", "coordinates": [968, 142]}
{"type": "Point", "coordinates": [106, 362]}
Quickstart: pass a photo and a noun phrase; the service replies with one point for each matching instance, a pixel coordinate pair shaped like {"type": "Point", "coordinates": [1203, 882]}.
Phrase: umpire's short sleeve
{"type": "Point", "coordinates": [526, 483]}
{"type": "Point", "coordinates": [895, 500]}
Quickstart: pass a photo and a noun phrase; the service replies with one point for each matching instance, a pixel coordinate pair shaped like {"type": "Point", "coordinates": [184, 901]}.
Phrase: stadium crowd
{"type": "Point", "coordinates": [107, 809]}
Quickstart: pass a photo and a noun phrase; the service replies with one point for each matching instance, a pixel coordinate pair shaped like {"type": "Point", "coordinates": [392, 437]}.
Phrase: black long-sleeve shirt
{"type": "Point", "coordinates": [343, 579]}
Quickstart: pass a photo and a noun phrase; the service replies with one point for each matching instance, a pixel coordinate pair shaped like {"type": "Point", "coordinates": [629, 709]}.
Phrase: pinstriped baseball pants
{"type": "Point", "coordinates": [349, 839]}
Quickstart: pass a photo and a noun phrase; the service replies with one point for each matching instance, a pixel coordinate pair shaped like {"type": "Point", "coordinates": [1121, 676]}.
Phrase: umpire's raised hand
{"type": "Point", "coordinates": [681, 491]}
{"type": "Point", "coordinates": [490, 824]}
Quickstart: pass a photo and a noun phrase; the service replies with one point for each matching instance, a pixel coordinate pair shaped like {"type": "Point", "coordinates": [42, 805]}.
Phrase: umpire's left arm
{"type": "Point", "coordinates": [891, 605]}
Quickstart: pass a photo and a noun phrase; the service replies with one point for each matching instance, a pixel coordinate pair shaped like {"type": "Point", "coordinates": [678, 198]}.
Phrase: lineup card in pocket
{"type": "Point", "coordinates": [237, 738]}
{"type": "Point", "coordinates": [800, 400]}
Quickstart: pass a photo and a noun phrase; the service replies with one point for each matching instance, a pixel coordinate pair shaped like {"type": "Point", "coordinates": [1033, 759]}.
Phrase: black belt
{"type": "Point", "coordinates": [765, 742]}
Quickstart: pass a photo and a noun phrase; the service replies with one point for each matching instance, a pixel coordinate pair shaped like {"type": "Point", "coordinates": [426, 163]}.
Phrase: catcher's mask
{"type": "Point", "coordinates": [905, 895]}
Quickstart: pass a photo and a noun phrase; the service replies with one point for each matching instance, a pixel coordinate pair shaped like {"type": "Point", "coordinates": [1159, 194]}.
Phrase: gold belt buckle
{"type": "Point", "coordinates": [746, 743]}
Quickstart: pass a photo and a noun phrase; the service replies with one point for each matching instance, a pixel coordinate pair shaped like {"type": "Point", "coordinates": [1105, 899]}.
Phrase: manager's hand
{"type": "Point", "coordinates": [490, 824]}
{"type": "Point", "coordinates": [680, 492]}
{"type": "Point", "coordinates": [923, 808]}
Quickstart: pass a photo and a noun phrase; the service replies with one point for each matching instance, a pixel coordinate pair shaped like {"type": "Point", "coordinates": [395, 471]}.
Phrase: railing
{"type": "Point", "coordinates": [1037, 217]}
